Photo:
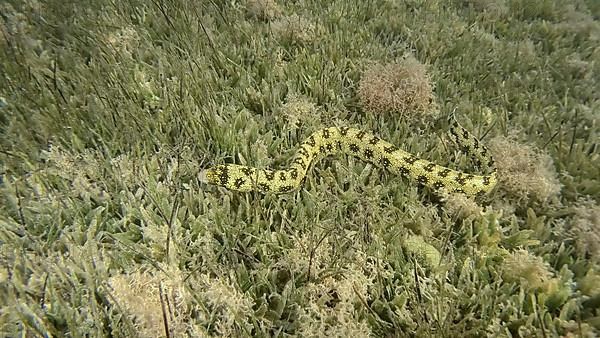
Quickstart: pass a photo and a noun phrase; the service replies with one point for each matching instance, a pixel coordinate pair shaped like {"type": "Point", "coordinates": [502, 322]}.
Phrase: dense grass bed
{"type": "Point", "coordinates": [109, 109]}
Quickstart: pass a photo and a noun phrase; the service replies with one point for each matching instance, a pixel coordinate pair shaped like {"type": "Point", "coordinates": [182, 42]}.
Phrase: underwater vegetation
{"type": "Point", "coordinates": [110, 110]}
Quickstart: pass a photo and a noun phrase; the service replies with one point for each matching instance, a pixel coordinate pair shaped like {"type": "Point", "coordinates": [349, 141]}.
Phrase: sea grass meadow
{"type": "Point", "coordinates": [110, 109]}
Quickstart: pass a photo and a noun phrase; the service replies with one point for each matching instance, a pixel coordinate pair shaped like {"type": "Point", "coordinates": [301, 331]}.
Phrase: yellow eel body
{"type": "Point", "coordinates": [369, 148]}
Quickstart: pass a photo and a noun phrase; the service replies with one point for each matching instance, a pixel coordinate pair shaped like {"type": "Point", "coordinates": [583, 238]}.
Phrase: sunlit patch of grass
{"type": "Point", "coordinates": [529, 270]}
{"type": "Point", "coordinates": [142, 296]}
{"type": "Point", "coordinates": [585, 225]}
{"type": "Point", "coordinates": [295, 29]}
{"type": "Point", "coordinates": [523, 173]}
{"type": "Point", "coordinates": [400, 89]}
{"type": "Point", "coordinates": [263, 9]}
